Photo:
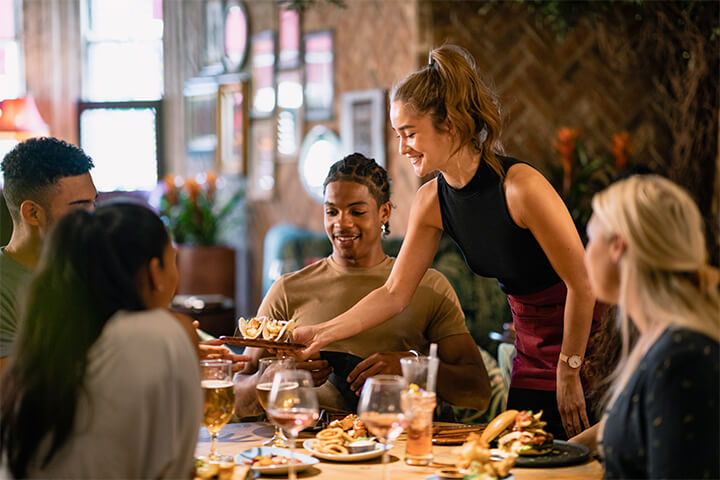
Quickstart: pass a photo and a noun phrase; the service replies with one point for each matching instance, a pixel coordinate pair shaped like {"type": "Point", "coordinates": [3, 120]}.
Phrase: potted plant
{"type": "Point", "coordinates": [198, 211]}
{"type": "Point", "coordinates": [580, 176]}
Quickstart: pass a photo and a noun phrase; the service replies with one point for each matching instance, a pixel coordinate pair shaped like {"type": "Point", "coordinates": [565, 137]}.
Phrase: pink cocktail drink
{"type": "Point", "coordinates": [419, 406]}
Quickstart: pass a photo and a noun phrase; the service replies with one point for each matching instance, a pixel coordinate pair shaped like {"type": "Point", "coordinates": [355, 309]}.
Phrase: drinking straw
{"type": "Point", "coordinates": [432, 368]}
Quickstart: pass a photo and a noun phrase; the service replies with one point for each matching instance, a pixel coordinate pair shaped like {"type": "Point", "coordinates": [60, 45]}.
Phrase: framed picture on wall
{"type": "Point", "coordinates": [319, 61]}
{"type": "Point", "coordinates": [213, 13]}
{"type": "Point", "coordinates": [289, 114]}
{"type": "Point", "coordinates": [201, 101]}
{"type": "Point", "coordinates": [235, 41]}
{"type": "Point", "coordinates": [232, 128]}
{"type": "Point", "coordinates": [261, 184]}
{"type": "Point", "coordinates": [362, 123]}
{"type": "Point", "coordinates": [262, 60]}
{"type": "Point", "coordinates": [288, 37]}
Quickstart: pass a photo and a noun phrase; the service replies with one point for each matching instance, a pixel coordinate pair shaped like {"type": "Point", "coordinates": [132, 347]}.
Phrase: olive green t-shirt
{"type": "Point", "coordinates": [325, 289]}
{"type": "Point", "coordinates": [13, 278]}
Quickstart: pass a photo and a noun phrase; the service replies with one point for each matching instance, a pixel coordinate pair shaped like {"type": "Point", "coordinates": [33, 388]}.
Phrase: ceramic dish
{"type": "Point", "coordinates": [350, 457]}
{"type": "Point", "coordinates": [306, 461]}
{"type": "Point", "coordinates": [563, 454]}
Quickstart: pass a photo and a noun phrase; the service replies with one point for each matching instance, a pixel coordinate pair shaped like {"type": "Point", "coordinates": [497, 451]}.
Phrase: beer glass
{"type": "Point", "coordinates": [293, 406]}
{"type": "Point", "coordinates": [217, 386]}
{"type": "Point", "coordinates": [380, 409]}
{"type": "Point", "coordinates": [266, 370]}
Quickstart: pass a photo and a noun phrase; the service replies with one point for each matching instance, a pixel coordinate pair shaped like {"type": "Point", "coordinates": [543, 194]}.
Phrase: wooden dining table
{"type": "Point", "coordinates": [237, 437]}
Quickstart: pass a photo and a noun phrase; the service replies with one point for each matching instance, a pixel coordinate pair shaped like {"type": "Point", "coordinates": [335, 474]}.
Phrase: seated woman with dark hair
{"type": "Point", "coordinates": [105, 382]}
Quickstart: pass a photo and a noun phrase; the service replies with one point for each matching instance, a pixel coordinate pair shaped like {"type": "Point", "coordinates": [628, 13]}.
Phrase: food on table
{"type": "Point", "coordinates": [270, 329]}
{"type": "Point", "coordinates": [519, 432]}
{"type": "Point", "coordinates": [270, 461]}
{"type": "Point", "coordinates": [222, 468]}
{"type": "Point", "coordinates": [278, 330]}
{"type": "Point", "coordinates": [343, 436]}
{"type": "Point", "coordinates": [474, 458]}
{"type": "Point", "coordinates": [251, 327]}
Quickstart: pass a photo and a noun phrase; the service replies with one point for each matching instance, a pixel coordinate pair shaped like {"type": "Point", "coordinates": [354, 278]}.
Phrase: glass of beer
{"type": "Point", "coordinates": [219, 397]}
{"type": "Point", "coordinates": [266, 370]}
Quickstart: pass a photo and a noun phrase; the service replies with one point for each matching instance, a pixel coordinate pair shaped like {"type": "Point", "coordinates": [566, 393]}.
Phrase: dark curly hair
{"type": "Point", "coordinates": [358, 168]}
{"type": "Point", "coordinates": [34, 165]}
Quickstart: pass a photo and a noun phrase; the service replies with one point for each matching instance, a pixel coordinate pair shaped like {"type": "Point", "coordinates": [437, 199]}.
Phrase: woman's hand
{"type": "Point", "coordinates": [571, 400]}
{"type": "Point", "coordinates": [588, 438]}
{"type": "Point", "coordinates": [214, 349]}
{"type": "Point", "coordinates": [310, 337]}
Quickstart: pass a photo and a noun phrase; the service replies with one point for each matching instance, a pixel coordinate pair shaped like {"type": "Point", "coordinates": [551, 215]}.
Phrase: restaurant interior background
{"type": "Point", "coordinates": [243, 83]}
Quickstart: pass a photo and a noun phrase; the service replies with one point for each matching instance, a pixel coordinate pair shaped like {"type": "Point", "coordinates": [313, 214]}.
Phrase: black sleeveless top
{"type": "Point", "coordinates": [477, 218]}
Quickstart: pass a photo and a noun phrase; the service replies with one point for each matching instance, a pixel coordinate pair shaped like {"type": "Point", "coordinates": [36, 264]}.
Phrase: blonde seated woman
{"type": "Point", "coordinates": [647, 254]}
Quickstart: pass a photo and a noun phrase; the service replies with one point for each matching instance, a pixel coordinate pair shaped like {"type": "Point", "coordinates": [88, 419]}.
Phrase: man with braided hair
{"type": "Point", "coordinates": [357, 212]}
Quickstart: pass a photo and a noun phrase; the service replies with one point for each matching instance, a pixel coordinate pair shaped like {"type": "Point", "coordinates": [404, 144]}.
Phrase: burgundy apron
{"type": "Point", "coordinates": [538, 320]}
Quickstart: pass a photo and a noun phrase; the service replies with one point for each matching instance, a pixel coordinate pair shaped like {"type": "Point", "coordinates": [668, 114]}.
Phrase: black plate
{"type": "Point", "coordinates": [342, 364]}
{"type": "Point", "coordinates": [564, 453]}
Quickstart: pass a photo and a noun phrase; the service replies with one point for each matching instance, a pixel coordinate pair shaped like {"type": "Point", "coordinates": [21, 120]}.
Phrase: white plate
{"type": "Point", "coordinates": [306, 461]}
{"type": "Point", "coordinates": [350, 457]}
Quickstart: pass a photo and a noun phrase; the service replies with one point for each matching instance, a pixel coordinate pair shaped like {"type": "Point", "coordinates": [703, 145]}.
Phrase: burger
{"type": "Point", "coordinates": [519, 432]}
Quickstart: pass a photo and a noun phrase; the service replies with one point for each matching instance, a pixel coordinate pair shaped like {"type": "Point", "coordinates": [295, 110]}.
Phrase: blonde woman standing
{"type": "Point", "coordinates": [647, 254]}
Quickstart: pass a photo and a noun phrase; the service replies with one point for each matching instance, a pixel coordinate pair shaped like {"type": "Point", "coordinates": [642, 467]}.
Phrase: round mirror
{"type": "Point", "coordinates": [320, 149]}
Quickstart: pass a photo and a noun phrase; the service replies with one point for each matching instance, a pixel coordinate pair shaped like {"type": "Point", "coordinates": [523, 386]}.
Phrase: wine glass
{"type": "Point", "coordinates": [380, 409]}
{"type": "Point", "coordinates": [267, 367]}
{"type": "Point", "coordinates": [293, 406]}
{"type": "Point", "coordinates": [219, 405]}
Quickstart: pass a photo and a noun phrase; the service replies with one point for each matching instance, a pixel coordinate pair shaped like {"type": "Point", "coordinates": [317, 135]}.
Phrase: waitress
{"type": "Point", "coordinates": [508, 221]}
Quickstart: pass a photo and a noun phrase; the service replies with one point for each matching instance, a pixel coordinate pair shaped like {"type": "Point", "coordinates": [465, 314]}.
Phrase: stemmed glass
{"type": "Point", "coordinates": [219, 405]}
{"type": "Point", "coordinates": [380, 409]}
{"type": "Point", "coordinates": [267, 367]}
{"type": "Point", "coordinates": [293, 406]}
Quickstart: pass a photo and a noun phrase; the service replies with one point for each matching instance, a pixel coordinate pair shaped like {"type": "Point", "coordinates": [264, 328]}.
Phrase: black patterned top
{"type": "Point", "coordinates": [666, 422]}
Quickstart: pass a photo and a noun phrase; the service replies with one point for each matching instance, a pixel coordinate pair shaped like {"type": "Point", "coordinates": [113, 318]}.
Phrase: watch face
{"type": "Point", "coordinates": [574, 361]}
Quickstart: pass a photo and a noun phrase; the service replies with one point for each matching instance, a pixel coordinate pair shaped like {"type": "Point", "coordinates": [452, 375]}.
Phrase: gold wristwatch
{"type": "Point", "coordinates": [574, 361]}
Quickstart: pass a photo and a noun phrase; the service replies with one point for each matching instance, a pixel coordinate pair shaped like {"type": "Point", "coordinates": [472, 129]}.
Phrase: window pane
{"type": "Point", "coordinates": [7, 20]}
{"type": "Point", "coordinates": [124, 71]}
{"type": "Point", "coordinates": [122, 145]}
{"type": "Point", "coordinates": [125, 20]}
{"type": "Point", "coordinates": [10, 85]}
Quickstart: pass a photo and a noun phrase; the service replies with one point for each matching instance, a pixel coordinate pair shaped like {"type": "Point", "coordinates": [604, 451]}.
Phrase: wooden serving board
{"type": "Point", "coordinates": [454, 435]}
{"type": "Point", "coordinates": [257, 342]}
